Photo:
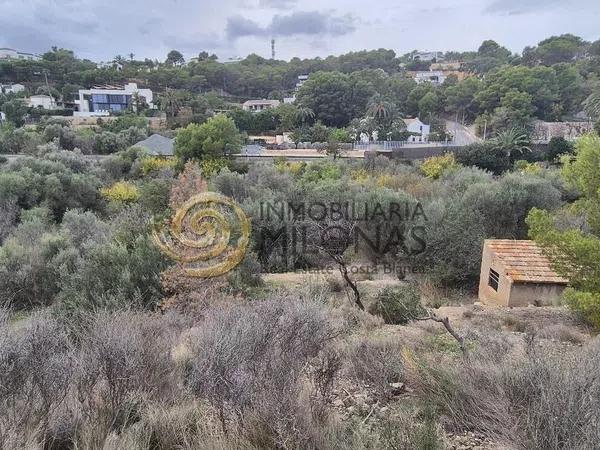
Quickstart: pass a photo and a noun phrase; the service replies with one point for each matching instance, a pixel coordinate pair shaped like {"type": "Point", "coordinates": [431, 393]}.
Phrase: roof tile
{"type": "Point", "coordinates": [524, 261]}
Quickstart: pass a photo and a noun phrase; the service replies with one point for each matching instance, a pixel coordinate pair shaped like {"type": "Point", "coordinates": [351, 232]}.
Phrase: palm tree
{"type": "Point", "coordinates": [170, 102]}
{"type": "Point", "coordinates": [131, 55]}
{"type": "Point", "coordinates": [305, 114]}
{"type": "Point", "coordinates": [512, 141]}
{"type": "Point", "coordinates": [379, 108]}
{"type": "Point", "coordinates": [592, 104]}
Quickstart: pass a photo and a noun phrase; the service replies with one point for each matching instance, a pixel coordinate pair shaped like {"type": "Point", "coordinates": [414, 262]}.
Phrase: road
{"type": "Point", "coordinates": [462, 135]}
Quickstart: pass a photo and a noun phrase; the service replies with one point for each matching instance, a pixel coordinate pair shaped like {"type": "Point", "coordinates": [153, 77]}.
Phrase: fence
{"type": "Point", "coordinates": [394, 145]}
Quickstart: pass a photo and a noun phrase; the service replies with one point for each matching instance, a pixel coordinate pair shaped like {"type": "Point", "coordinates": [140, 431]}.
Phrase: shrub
{"type": "Point", "coordinates": [8, 218]}
{"type": "Point", "coordinates": [156, 164]}
{"type": "Point", "coordinates": [121, 191]}
{"type": "Point", "coordinates": [334, 283]}
{"type": "Point", "coordinates": [154, 195]}
{"type": "Point", "coordinates": [107, 142]}
{"type": "Point", "coordinates": [124, 356]}
{"type": "Point", "coordinates": [247, 274]}
{"type": "Point", "coordinates": [212, 166]}
{"type": "Point", "coordinates": [436, 166]}
{"type": "Point", "coordinates": [248, 361]}
{"type": "Point", "coordinates": [398, 305]}
{"type": "Point", "coordinates": [485, 156]}
{"type": "Point", "coordinates": [36, 368]}
{"type": "Point", "coordinates": [59, 182]}
{"type": "Point", "coordinates": [377, 362]}
{"type": "Point", "coordinates": [454, 240]}
{"type": "Point", "coordinates": [585, 304]}
{"type": "Point", "coordinates": [113, 276]}
{"type": "Point", "coordinates": [525, 167]}
{"type": "Point", "coordinates": [558, 146]}
{"type": "Point", "coordinates": [536, 400]}
{"type": "Point", "coordinates": [504, 205]}
{"type": "Point", "coordinates": [29, 276]}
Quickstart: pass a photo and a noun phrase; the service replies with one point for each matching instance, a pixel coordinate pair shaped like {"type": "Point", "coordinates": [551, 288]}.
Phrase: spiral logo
{"type": "Point", "coordinates": [209, 235]}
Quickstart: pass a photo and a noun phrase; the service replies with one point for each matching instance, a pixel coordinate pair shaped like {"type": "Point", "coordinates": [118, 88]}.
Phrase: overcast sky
{"type": "Point", "coordinates": [101, 29]}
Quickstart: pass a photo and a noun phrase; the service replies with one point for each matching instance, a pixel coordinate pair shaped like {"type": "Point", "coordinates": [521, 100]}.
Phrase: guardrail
{"type": "Point", "coordinates": [393, 145]}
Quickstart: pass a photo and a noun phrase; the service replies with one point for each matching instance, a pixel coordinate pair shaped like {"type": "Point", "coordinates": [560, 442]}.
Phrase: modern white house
{"type": "Point", "coordinates": [41, 101]}
{"type": "Point", "coordinates": [103, 100]}
{"type": "Point", "coordinates": [260, 105]}
{"type": "Point", "coordinates": [11, 88]}
{"type": "Point", "coordinates": [431, 76]}
{"type": "Point", "coordinates": [419, 128]}
{"type": "Point", "coordinates": [301, 80]}
{"type": "Point", "coordinates": [10, 53]}
{"type": "Point", "coordinates": [428, 56]}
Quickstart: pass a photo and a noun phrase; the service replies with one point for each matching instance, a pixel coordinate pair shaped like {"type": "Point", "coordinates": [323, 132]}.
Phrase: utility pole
{"type": "Point", "coordinates": [484, 129]}
{"type": "Point", "coordinates": [48, 88]}
{"type": "Point", "coordinates": [454, 138]}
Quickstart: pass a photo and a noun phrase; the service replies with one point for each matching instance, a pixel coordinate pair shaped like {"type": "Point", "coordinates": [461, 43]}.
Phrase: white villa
{"type": "Point", "coordinates": [102, 100]}
{"type": "Point", "coordinates": [417, 127]}
{"type": "Point", "coordinates": [11, 88]}
{"type": "Point", "coordinates": [259, 105]}
{"type": "Point", "coordinates": [11, 53]}
{"type": "Point", "coordinates": [431, 76]}
{"type": "Point", "coordinates": [428, 56]}
{"type": "Point", "coordinates": [41, 101]}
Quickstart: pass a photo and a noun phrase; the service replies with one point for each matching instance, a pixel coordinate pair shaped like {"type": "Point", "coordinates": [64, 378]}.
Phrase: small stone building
{"type": "Point", "coordinates": [516, 273]}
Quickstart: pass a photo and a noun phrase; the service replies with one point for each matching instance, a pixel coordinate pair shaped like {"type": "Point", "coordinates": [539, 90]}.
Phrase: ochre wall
{"type": "Point", "coordinates": [524, 294]}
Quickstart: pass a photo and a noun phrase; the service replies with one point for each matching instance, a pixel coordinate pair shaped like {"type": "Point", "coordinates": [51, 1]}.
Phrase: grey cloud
{"type": "Point", "coordinates": [515, 7]}
{"type": "Point", "coordinates": [193, 44]}
{"type": "Point", "coordinates": [27, 38]}
{"type": "Point", "coordinates": [150, 28]}
{"type": "Point", "coordinates": [277, 4]}
{"type": "Point", "coordinates": [309, 23]}
{"type": "Point", "coordinates": [150, 25]}
{"type": "Point", "coordinates": [312, 23]}
{"type": "Point", "coordinates": [49, 18]}
{"type": "Point", "coordinates": [238, 26]}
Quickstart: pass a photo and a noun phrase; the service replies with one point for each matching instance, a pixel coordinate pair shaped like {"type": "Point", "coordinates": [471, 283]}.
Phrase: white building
{"type": "Point", "coordinates": [41, 101]}
{"type": "Point", "coordinates": [301, 80]}
{"type": "Point", "coordinates": [101, 101]}
{"type": "Point", "coordinates": [11, 88]}
{"type": "Point", "coordinates": [419, 128]}
{"type": "Point", "coordinates": [2, 117]}
{"type": "Point", "coordinates": [259, 105]}
{"type": "Point", "coordinates": [10, 53]}
{"type": "Point", "coordinates": [431, 76]}
{"type": "Point", "coordinates": [428, 56]}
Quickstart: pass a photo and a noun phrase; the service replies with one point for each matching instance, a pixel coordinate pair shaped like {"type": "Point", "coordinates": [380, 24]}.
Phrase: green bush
{"type": "Point", "coordinates": [558, 146]}
{"type": "Point", "coordinates": [398, 305]}
{"type": "Point", "coordinates": [485, 156]}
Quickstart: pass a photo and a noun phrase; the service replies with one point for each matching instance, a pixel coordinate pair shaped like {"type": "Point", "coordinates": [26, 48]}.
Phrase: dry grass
{"type": "Point", "coordinates": [537, 401]}
{"type": "Point", "coordinates": [265, 374]}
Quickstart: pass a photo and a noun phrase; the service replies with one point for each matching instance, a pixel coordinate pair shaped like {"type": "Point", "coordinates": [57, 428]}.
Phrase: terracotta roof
{"type": "Point", "coordinates": [524, 261]}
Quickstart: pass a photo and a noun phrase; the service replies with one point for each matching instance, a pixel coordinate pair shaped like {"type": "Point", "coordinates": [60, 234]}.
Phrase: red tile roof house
{"type": "Point", "coordinates": [516, 273]}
